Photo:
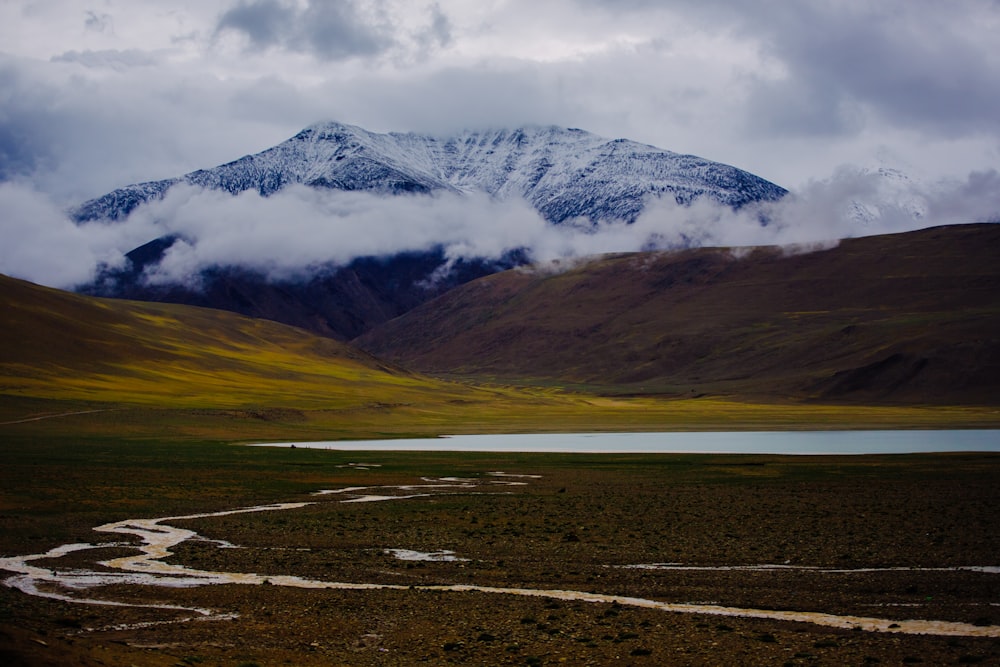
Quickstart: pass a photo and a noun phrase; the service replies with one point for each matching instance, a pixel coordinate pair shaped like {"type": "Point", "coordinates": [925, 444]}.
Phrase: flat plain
{"type": "Point", "coordinates": [888, 537]}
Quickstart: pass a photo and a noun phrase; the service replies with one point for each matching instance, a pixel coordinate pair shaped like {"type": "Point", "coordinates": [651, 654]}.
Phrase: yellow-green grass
{"type": "Point", "coordinates": [74, 364]}
{"type": "Point", "coordinates": [60, 346]}
{"type": "Point", "coordinates": [512, 412]}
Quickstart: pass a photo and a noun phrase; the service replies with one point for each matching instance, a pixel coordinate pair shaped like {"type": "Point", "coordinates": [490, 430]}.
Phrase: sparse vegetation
{"type": "Point", "coordinates": [696, 509]}
{"type": "Point", "coordinates": [895, 319]}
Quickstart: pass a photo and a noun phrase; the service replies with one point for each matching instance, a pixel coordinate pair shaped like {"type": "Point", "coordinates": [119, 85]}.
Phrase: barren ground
{"type": "Point", "coordinates": [847, 523]}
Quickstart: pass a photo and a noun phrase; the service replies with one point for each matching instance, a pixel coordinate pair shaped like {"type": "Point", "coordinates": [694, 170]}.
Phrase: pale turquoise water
{"type": "Point", "coordinates": [751, 442]}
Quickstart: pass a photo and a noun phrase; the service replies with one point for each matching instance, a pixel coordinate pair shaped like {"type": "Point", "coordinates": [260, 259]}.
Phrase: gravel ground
{"type": "Point", "coordinates": [574, 529]}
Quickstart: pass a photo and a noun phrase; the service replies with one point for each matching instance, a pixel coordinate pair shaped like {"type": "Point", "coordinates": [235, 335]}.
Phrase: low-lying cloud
{"type": "Point", "coordinates": [301, 229]}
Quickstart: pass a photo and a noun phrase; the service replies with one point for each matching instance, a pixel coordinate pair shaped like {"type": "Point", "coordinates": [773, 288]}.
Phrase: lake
{"type": "Point", "coordinates": [718, 442]}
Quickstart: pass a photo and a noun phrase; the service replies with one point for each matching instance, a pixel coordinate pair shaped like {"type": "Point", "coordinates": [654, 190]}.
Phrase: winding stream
{"type": "Point", "coordinates": [158, 536]}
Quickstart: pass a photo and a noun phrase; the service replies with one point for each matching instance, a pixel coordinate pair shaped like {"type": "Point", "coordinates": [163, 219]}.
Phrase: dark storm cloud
{"type": "Point", "coordinates": [76, 137]}
{"type": "Point", "coordinates": [331, 30]}
{"type": "Point", "coordinates": [21, 154]}
{"type": "Point", "coordinates": [915, 62]}
{"type": "Point", "coordinates": [264, 22]}
{"type": "Point", "coordinates": [435, 34]}
{"type": "Point", "coordinates": [23, 148]}
{"type": "Point", "coordinates": [438, 32]}
{"type": "Point", "coordinates": [927, 65]}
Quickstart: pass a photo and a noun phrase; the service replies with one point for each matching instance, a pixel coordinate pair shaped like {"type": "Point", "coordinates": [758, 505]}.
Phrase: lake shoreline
{"type": "Point", "coordinates": [785, 443]}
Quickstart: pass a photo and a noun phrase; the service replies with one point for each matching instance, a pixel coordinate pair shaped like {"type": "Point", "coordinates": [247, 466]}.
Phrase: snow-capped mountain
{"type": "Point", "coordinates": [563, 173]}
{"type": "Point", "coordinates": [567, 175]}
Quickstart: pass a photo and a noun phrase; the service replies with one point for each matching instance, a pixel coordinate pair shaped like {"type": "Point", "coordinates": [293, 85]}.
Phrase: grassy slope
{"type": "Point", "coordinates": [73, 365]}
{"type": "Point", "coordinates": [59, 345]}
{"type": "Point", "coordinates": [909, 318]}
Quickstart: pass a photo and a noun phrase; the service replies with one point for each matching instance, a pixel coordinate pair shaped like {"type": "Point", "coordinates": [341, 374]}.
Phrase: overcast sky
{"type": "Point", "coordinates": [96, 95]}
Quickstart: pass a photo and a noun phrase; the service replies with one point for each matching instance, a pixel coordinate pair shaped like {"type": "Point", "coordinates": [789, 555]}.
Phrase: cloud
{"type": "Point", "coordinates": [42, 245]}
{"type": "Point", "coordinates": [834, 68]}
{"type": "Point", "coordinates": [95, 100]}
{"type": "Point", "coordinates": [88, 122]}
{"type": "Point", "coordinates": [330, 30]}
{"type": "Point", "coordinates": [99, 22]}
{"type": "Point", "coordinates": [438, 32]}
{"type": "Point", "coordinates": [915, 63]}
{"type": "Point", "coordinates": [140, 91]}
{"type": "Point", "coordinates": [918, 63]}
{"type": "Point", "coordinates": [109, 58]}
{"type": "Point", "coordinates": [264, 22]}
{"type": "Point", "coordinates": [850, 203]}
{"type": "Point", "coordinates": [977, 198]}
{"type": "Point", "coordinates": [300, 230]}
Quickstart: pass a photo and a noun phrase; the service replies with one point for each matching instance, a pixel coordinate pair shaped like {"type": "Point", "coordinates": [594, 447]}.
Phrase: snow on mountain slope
{"type": "Point", "coordinates": [893, 197]}
{"type": "Point", "coordinates": [563, 173]}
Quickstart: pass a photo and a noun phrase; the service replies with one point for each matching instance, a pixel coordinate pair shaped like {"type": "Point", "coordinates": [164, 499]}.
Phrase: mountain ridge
{"type": "Point", "coordinates": [914, 321]}
{"type": "Point", "coordinates": [563, 173]}
{"type": "Point", "coordinates": [910, 317]}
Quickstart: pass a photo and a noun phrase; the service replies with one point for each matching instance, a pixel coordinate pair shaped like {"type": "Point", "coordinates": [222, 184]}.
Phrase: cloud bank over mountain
{"type": "Point", "coordinates": [299, 228]}
{"type": "Point", "coordinates": [96, 97]}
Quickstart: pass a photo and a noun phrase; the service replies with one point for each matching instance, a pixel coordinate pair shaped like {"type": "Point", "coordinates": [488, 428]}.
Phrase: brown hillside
{"type": "Point", "coordinates": [911, 317]}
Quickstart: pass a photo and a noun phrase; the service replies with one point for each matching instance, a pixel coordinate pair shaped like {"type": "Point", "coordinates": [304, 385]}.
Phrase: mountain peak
{"type": "Point", "coordinates": [565, 173]}
{"type": "Point", "coordinates": [332, 130]}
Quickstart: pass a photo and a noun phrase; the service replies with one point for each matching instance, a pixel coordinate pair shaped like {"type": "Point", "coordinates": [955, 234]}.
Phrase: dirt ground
{"type": "Point", "coordinates": [880, 537]}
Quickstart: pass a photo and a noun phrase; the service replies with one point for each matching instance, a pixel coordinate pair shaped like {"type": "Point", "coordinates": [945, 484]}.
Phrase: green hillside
{"type": "Point", "coordinates": [912, 318]}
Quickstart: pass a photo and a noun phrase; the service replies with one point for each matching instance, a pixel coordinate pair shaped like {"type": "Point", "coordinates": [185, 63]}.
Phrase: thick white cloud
{"type": "Point", "coordinates": [300, 229]}
{"type": "Point", "coordinates": [41, 244]}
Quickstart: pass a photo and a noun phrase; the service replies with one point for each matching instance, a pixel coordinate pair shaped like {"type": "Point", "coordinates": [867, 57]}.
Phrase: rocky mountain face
{"type": "Point", "coordinates": [565, 174]}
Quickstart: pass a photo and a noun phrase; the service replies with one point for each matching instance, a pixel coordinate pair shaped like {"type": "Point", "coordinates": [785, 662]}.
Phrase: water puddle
{"type": "Point", "coordinates": [986, 569]}
{"type": "Point", "coordinates": [445, 555]}
{"type": "Point", "coordinates": [158, 536]}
